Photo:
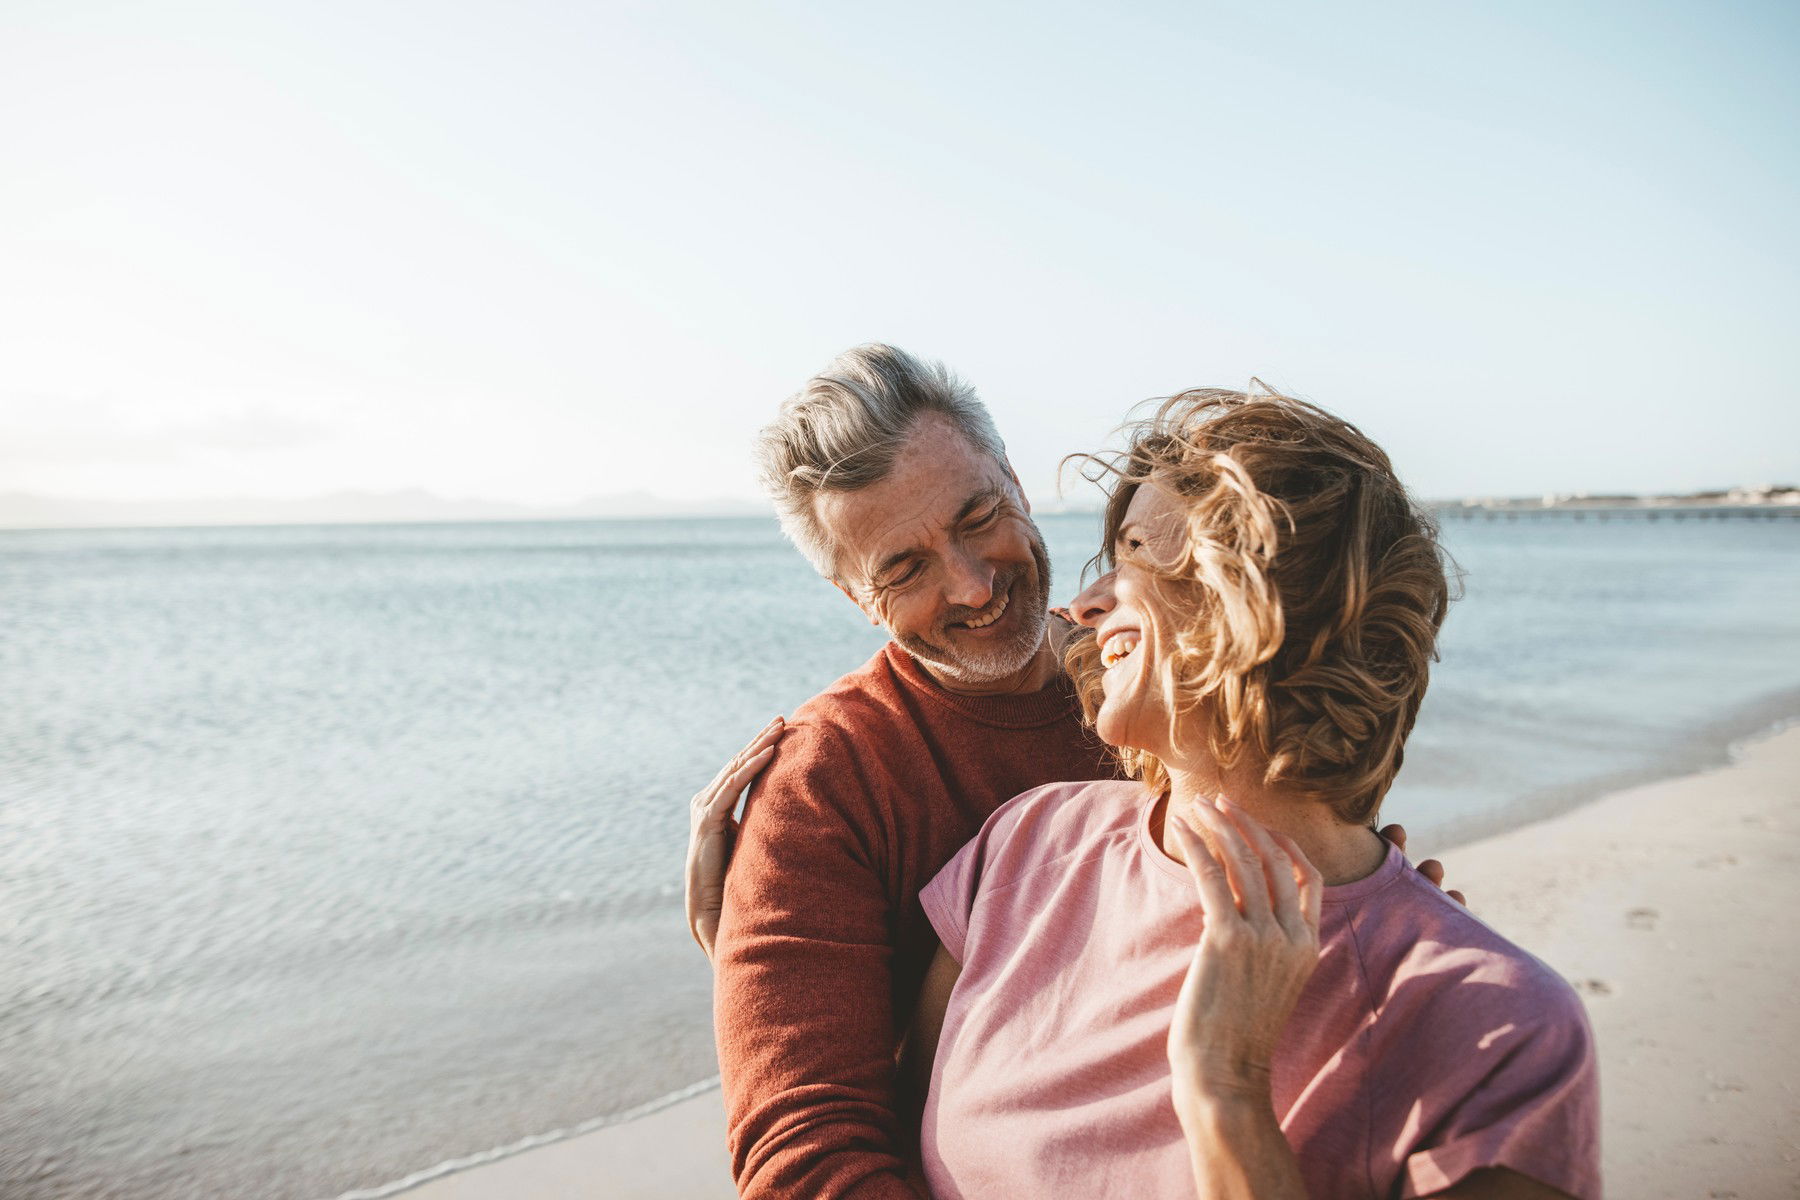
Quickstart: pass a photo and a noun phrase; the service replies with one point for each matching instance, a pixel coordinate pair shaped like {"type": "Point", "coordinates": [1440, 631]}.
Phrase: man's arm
{"type": "Point", "coordinates": [803, 987]}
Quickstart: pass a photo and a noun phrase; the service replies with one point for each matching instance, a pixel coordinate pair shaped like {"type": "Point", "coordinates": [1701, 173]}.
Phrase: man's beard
{"type": "Point", "coordinates": [1025, 586]}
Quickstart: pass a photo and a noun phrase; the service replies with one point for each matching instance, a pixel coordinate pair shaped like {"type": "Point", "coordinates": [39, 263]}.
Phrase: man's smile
{"type": "Point", "coordinates": [987, 616]}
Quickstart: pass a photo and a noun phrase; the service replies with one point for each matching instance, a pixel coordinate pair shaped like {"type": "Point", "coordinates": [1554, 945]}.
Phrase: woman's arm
{"type": "Point", "coordinates": [919, 1051]}
{"type": "Point", "coordinates": [1260, 899]}
{"type": "Point", "coordinates": [928, 1022]}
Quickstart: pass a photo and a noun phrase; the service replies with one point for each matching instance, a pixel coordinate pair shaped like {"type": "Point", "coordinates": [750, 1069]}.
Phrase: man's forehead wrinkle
{"type": "Point", "coordinates": [931, 524]}
{"type": "Point", "coordinates": [884, 534]}
{"type": "Point", "coordinates": [935, 480]}
{"type": "Point", "coordinates": [984, 494]}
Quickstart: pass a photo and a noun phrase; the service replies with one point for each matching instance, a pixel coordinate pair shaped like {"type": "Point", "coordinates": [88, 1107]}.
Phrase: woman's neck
{"type": "Point", "coordinates": [1342, 853]}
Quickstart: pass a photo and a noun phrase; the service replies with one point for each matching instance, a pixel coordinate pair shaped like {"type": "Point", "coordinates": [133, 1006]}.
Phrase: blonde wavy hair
{"type": "Point", "coordinates": [1316, 584]}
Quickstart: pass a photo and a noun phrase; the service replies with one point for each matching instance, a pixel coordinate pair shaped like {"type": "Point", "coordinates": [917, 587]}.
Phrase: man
{"type": "Point", "coordinates": [889, 476]}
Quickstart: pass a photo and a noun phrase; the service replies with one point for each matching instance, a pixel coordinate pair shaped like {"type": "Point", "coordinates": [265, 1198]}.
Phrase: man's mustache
{"type": "Point", "coordinates": [962, 612]}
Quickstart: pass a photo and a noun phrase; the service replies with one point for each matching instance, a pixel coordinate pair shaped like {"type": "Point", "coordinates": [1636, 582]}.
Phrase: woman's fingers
{"type": "Point", "coordinates": [1242, 864]}
{"type": "Point", "coordinates": [767, 736]}
{"type": "Point", "coordinates": [726, 797]}
{"type": "Point", "coordinates": [1307, 881]}
{"type": "Point", "coordinates": [1216, 902]}
{"type": "Point", "coordinates": [713, 803]}
{"type": "Point", "coordinates": [1278, 870]}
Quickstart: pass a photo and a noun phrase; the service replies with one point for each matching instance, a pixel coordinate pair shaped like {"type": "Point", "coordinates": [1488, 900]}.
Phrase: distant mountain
{"type": "Point", "coordinates": [21, 510]}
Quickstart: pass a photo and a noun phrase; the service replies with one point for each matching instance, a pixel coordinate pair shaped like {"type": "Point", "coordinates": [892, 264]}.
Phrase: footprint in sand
{"type": "Point", "coordinates": [1642, 918]}
{"type": "Point", "coordinates": [1717, 861]}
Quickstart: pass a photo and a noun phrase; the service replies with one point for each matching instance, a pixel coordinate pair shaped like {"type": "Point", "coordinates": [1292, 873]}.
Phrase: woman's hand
{"type": "Point", "coordinates": [712, 830]}
{"type": "Point", "coordinates": [1260, 897]}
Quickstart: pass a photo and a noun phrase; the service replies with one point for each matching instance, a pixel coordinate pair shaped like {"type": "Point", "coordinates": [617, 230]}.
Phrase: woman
{"type": "Point", "coordinates": [1215, 977]}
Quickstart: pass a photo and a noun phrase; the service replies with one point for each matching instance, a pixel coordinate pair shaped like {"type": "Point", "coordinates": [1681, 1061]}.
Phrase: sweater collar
{"type": "Point", "coordinates": [1029, 710]}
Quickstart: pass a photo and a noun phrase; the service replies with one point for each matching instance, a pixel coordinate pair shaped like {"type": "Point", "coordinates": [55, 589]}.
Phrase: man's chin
{"type": "Point", "coordinates": [984, 663]}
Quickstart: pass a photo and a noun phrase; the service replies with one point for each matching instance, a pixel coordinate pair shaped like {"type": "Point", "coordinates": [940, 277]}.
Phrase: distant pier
{"type": "Point", "coordinates": [1620, 512]}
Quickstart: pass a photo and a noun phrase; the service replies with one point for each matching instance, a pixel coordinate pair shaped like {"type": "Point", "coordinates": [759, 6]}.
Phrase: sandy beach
{"type": "Point", "coordinates": [1669, 906]}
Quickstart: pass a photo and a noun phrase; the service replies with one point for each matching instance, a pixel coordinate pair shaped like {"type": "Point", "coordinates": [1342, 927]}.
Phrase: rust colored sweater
{"type": "Point", "coordinates": [823, 945]}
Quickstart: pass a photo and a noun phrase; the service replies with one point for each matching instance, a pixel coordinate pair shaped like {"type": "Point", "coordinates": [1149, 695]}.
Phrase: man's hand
{"type": "Point", "coordinates": [1431, 868]}
{"type": "Point", "coordinates": [1063, 629]}
{"type": "Point", "coordinates": [712, 830]}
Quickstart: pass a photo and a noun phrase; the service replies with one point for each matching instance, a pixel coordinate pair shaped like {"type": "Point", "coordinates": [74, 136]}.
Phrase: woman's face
{"type": "Point", "coordinates": [1133, 623]}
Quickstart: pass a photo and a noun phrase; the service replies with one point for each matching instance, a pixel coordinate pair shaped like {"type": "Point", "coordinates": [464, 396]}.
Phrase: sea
{"type": "Point", "coordinates": [330, 855]}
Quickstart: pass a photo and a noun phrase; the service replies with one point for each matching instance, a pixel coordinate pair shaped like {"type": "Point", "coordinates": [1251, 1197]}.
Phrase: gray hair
{"type": "Point", "coordinates": [843, 430]}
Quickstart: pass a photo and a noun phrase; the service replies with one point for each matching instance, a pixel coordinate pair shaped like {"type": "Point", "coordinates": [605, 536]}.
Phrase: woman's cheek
{"type": "Point", "coordinates": [1113, 722]}
{"type": "Point", "coordinates": [1108, 725]}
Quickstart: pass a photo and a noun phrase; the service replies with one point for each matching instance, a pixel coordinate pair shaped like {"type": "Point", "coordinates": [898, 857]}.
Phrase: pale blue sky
{"type": "Point", "coordinates": [532, 251]}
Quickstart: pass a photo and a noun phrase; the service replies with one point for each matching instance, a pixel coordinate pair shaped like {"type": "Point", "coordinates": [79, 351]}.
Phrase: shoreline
{"type": "Point", "coordinates": [1665, 902]}
{"type": "Point", "coordinates": [695, 1102]}
{"type": "Point", "coordinates": [1719, 742]}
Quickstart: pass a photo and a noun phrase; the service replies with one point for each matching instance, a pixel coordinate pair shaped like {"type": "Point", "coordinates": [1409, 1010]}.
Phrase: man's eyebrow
{"type": "Point", "coordinates": [993, 492]}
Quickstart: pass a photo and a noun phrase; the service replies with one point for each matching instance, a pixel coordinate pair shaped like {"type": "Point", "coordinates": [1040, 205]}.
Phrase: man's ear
{"type": "Point", "coordinates": [851, 596]}
{"type": "Point", "coordinates": [1024, 500]}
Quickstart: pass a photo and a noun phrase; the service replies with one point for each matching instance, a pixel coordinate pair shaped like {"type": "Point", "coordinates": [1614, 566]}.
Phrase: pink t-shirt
{"type": "Point", "coordinates": [1425, 1046]}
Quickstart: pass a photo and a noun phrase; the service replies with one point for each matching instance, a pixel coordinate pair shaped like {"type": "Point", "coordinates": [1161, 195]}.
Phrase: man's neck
{"type": "Point", "coordinates": [1034, 676]}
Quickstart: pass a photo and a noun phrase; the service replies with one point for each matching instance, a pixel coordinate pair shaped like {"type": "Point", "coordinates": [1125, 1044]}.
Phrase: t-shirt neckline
{"type": "Point", "coordinates": [1344, 893]}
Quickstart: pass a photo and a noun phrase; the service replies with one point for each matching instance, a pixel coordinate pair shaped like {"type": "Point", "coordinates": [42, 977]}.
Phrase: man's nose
{"type": "Point", "coordinates": [1091, 607]}
{"type": "Point", "coordinates": [970, 583]}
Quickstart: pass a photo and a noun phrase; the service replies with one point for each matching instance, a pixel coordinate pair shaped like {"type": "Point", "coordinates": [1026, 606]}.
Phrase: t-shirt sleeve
{"type": "Point", "coordinates": [1011, 840]}
{"type": "Point", "coordinates": [1529, 1101]}
{"type": "Point", "coordinates": [950, 896]}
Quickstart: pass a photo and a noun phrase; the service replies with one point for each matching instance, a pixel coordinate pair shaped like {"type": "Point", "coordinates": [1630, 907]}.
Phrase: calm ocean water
{"type": "Point", "coordinates": [331, 853]}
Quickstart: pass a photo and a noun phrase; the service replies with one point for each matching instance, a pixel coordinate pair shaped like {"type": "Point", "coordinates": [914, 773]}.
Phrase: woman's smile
{"type": "Point", "coordinates": [1118, 646]}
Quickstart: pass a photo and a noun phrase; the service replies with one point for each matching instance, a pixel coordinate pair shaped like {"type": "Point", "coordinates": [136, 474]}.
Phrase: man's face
{"type": "Point", "coordinates": [944, 555]}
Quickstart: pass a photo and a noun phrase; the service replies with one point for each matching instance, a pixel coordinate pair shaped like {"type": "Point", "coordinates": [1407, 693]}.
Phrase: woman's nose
{"type": "Point", "coordinates": [1091, 607]}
